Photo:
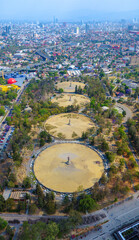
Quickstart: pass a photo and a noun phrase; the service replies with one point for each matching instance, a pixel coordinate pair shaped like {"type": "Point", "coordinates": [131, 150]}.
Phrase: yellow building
{"type": "Point", "coordinates": [6, 88]}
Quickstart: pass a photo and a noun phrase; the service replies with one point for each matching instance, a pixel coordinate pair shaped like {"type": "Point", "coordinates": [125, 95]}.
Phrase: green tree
{"type": "Point", "coordinates": [64, 227]}
{"type": "Point", "coordinates": [27, 182]}
{"type": "Point", "coordinates": [110, 156]}
{"type": "Point", "coordinates": [43, 135]}
{"type": "Point", "coordinates": [50, 207]}
{"type": "Point", "coordinates": [10, 204]}
{"type": "Point", "coordinates": [2, 111]}
{"type": "Point", "coordinates": [104, 146]}
{"type": "Point", "coordinates": [3, 224]}
{"type": "Point", "coordinates": [60, 90]}
{"type": "Point", "coordinates": [75, 218]}
{"type": "Point", "coordinates": [2, 203]}
{"type": "Point", "coordinates": [42, 142]}
{"type": "Point", "coordinates": [2, 237]}
{"type": "Point", "coordinates": [21, 207]}
{"type": "Point", "coordinates": [87, 204]}
{"type": "Point", "coordinates": [10, 232]}
{"type": "Point", "coordinates": [66, 201]}
{"type": "Point", "coordinates": [40, 195]}
{"type": "Point", "coordinates": [84, 135]}
{"type": "Point", "coordinates": [103, 179]}
{"type": "Point", "coordinates": [32, 208]}
{"type": "Point", "coordinates": [52, 231]}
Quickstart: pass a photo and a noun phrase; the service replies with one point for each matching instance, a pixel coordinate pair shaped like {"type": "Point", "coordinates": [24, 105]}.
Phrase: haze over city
{"type": "Point", "coordinates": [70, 10]}
{"type": "Point", "coordinates": [69, 119]}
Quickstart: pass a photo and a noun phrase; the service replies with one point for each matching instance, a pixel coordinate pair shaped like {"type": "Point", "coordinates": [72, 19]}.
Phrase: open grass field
{"type": "Point", "coordinates": [69, 86]}
{"type": "Point", "coordinates": [68, 125]}
{"type": "Point", "coordinates": [65, 100]}
{"type": "Point", "coordinates": [84, 169]}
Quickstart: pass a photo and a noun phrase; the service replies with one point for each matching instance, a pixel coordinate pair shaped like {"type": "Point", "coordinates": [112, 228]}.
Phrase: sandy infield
{"type": "Point", "coordinates": [51, 169]}
{"type": "Point", "coordinates": [69, 86]}
{"type": "Point", "coordinates": [65, 100]}
{"type": "Point", "coordinates": [68, 125]}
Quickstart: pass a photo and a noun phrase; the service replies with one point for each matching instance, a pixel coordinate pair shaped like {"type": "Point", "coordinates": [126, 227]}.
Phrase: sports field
{"type": "Point", "coordinates": [68, 125]}
{"type": "Point", "coordinates": [84, 168]}
{"type": "Point", "coordinates": [65, 100]}
{"type": "Point", "coordinates": [69, 86]}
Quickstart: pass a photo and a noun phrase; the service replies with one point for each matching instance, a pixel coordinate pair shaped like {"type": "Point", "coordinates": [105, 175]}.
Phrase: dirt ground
{"type": "Point", "coordinates": [84, 169]}
{"type": "Point", "coordinates": [69, 86]}
{"type": "Point", "coordinates": [65, 100]}
{"type": "Point", "coordinates": [68, 125]}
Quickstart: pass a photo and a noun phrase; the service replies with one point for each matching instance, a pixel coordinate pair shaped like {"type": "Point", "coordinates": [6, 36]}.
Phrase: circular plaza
{"type": "Point", "coordinates": [69, 86]}
{"type": "Point", "coordinates": [65, 100]}
{"type": "Point", "coordinates": [68, 125]}
{"type": "Point", "coordinates": [66, 167]}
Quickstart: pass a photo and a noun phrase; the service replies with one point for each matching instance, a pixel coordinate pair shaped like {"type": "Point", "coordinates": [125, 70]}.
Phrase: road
{"type": "Point", "coordinates": [24, 217]}
{"type": "Point", "coordinates": [129, 113]}
{"type": "Point", "coordinates": [118, 216]}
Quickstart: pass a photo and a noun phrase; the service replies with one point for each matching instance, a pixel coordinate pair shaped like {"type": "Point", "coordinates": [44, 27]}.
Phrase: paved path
{"type": "Point", "coordinates": [24, 217]}
{"type": "Point", "coordinates": [119, 215]}
{"type": "Point", "coordinates": [129, 113]}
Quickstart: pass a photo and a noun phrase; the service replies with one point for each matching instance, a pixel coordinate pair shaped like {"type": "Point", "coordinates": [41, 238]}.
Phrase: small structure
{"type": "Point", "coordinates": [19, 195]}
{"type": "Point", "coordinates": [7, 193]}
{"type": "Point", "coordinates": [68, 162]}
{"type": "Point", "coordinates": [28, 108]}
{"type": "Point", "coordinates": [105, 108]}
{"type": "Point", "coordinates": [69, 123]}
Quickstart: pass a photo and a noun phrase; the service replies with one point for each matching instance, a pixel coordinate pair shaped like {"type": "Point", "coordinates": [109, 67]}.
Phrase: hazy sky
{"type": "Point", "coordinates": [61, 8]}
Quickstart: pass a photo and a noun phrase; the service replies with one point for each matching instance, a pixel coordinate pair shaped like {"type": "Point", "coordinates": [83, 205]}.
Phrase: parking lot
{"type": "Point", "coordinates": [5, 136]}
